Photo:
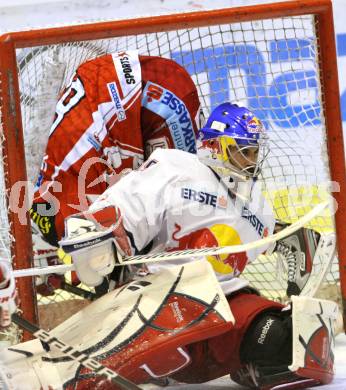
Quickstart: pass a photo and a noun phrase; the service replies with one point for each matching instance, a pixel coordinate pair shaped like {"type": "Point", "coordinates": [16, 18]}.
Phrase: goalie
{"type": "Point", "coordinates": [178, 200]}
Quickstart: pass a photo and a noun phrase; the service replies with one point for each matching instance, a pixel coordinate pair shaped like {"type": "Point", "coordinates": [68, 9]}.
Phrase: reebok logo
{"type": "Point", "coordinates": [265, 330]}
{"type": "Point", "coordinates": [87, 243]}
{"type": "Point", "coordinates": [178, 315]}
{"type": "Point", "coordinates": [138, 284]}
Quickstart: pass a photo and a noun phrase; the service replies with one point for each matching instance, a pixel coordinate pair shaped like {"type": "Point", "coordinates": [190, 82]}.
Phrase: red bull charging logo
{"type": "Point", "coordinates": [215, 236]}
{"type": "Point", "coordinates": [254, 125]}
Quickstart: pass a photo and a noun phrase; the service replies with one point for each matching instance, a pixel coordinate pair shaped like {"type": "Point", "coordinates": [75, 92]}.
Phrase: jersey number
{"type": "Point", "coordinates": [71, 97]}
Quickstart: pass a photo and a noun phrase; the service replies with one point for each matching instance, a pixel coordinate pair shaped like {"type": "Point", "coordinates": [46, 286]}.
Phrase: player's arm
{"type": "Point", "coordinates": [125, 219]}
{"type": "Point", "coordinates": [66, 169]}
{"type": "Point", "coordinates": [49, 198]}
{"type": "Point", "coordinates": [7, 293]}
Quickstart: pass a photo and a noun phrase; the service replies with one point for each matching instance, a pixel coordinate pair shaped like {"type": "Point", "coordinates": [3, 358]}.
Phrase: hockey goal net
{"type": "Point", "coordinates": [278, 60]}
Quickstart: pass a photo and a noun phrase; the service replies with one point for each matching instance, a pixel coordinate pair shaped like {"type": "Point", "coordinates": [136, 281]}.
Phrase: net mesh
{"type": "Point", "coordinates": [271, 66]}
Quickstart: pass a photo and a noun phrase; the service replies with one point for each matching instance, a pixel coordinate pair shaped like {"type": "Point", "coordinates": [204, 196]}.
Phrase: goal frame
{"type": "Point", "coordinates": [13, 145]}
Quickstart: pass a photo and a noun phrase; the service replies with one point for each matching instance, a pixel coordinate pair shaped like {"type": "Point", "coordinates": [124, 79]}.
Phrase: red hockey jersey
{"type": "Point", "coordinates": [115, 111]}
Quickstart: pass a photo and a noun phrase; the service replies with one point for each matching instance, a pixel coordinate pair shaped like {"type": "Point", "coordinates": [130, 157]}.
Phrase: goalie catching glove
{"type": "Point", "coordinates": [298, 251]}
{"type": "Point", "coordinates": [93, 239]}
{"type": "Point", "coordinates": [8, 293]}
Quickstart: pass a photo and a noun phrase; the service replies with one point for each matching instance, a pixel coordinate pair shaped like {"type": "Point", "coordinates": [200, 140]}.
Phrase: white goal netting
{"type": "Point", "coordinates": [271, 66]}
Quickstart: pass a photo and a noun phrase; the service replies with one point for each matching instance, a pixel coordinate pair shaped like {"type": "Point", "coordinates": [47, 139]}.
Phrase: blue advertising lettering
{"type": "Point", "coordinates": [269, 99]}
{"type": "Point", "coordinates": [254, 220]}
{"type": "Point", "coordinates": [165, 104]}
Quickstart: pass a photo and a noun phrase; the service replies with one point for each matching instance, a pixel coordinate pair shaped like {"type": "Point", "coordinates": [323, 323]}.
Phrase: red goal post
{"type": "Point", "coordinates": [213, 34]}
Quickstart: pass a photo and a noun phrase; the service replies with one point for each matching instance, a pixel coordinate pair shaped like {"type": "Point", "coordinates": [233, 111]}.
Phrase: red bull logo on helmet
{"type": "Point", "coordinates": [255, 125]}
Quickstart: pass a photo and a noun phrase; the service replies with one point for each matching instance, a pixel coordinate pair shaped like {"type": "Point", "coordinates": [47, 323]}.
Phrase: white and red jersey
{"type": "Point", "coordinates": [175, 202]}
{"type": "Point", "coordinates": [115, 111]}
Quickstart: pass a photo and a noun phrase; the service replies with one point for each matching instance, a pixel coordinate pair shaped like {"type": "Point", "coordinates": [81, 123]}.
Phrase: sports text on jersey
{"type": "Point", "coordinates": [255, 222]}
{"type": "Point", "coordinates": [113, 91]}
{"type": "Point", "coordinates": [204, 197]}
{"type": "Point", "coordinates": [164, 103]}
{"type": "Point", "coordinates": [127, 69]}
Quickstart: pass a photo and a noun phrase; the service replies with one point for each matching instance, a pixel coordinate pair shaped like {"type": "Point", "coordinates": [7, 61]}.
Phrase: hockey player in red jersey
{"type": "Point", "coordinates": [115, 111]}
{"type": "Point", "coordinates": [168, 325]}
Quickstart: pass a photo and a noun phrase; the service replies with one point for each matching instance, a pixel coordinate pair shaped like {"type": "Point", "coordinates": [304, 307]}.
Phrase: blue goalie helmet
{"type": "Point", "coordinates": [233, 142]}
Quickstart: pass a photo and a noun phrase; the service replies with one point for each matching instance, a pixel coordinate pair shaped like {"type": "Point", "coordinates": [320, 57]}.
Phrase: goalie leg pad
{"type": "Point", "coordinates": [268, 341]}
{"type": "Point", "coordinates": [312, 342]}
{"type": "Point", "coordinates": [219, 356]}
{"type": "Point", "coordinates": [314, 322]}
{"type": "Point", "coordinates": [30, 372]}
{"type": "Point", "coordinates": [139, 330]}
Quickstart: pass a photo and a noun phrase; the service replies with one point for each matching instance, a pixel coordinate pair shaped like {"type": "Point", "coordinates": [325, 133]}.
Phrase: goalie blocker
{"type": "Point", "coordinates": [93, 239]}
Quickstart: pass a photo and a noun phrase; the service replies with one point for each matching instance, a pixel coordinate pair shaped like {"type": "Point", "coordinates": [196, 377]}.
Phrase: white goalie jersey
{"type": "Point", "coordinates": [174, 202]}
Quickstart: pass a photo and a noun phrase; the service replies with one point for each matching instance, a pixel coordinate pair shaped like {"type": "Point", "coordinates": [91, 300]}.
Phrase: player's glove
{"type": "Point", "coordinates": [298, 250]}
{"type": "Point", "coordinates": [93, 239]}
{"type": "Point", "coordinates": [8, 293]}
{"type": "Point", "coordinates": [45, 255]}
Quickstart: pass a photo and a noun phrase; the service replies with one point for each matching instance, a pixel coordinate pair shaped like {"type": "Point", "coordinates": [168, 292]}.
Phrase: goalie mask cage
{"type": "Point", "coordinates": [277, 59]}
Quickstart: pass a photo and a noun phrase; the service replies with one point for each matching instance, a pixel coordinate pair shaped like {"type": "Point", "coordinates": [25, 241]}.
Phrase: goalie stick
{"type": "Point", "coordinates": [187, 254]}
{"type": "Point", "coordinates": [92, 364]}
